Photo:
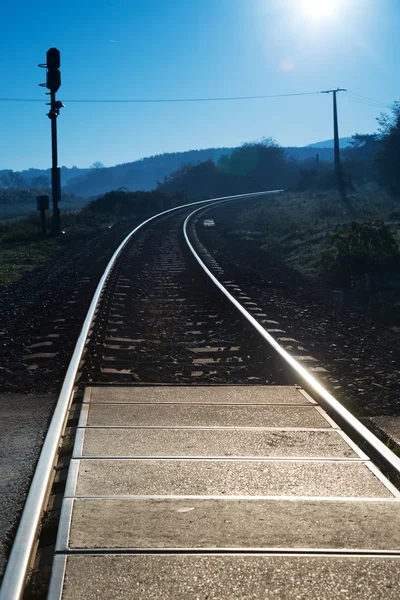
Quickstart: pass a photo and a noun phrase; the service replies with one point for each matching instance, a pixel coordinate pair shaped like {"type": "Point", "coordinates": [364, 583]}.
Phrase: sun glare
{"type": "Point", "coordinates": [320, 9]}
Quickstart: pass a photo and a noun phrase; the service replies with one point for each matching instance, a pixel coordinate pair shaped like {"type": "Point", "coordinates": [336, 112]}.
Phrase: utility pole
{"type": "Point", "coordinates": [338, 168]}
{"type": "Point", "coordinates": [53, 83]}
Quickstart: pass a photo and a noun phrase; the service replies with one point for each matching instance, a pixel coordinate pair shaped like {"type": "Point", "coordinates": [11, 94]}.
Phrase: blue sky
{"type": "Point", "coordinates": [133, 49]}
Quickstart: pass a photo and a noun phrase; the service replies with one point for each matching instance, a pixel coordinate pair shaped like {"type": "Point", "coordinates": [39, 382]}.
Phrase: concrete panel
{"type": "Point", "coordinates": [217, 442]}
{"type": "Point", "coordinates": [216, 477]}
{"type": "Point", "coordinates": [238, 394]}
{"type": "Point", "coordinates": [183, 415]}
{"type": "Point", "coordinates": [195, 523]}
{"type": "Point", "coordinates": [230, 577]}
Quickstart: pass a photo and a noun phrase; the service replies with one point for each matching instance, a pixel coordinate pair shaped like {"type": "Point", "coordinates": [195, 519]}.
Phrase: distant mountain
{"type": "Point", "coordinates": [31, 174]}
{"type": "Point", "coordinates": [143, 174]}
{"type": "Point", "coordinates": [343, 143]}
{"type": "Point", "coordinates": [146, 173]}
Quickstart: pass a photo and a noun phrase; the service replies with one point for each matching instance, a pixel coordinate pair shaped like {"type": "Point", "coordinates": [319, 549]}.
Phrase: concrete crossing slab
{"type": "Point", "coordinates": [119, 442]}
{"type": "Point", "coordinates": [225, 577]}
{"type": "Point", "coordinates": [224, 478]}
{"type": "Point", "coordinates": [230, 524]}
{"type": "Point", "coordinates": [161, 473]}
{"type": "Point", "coordinates": [184, 415]}
{"type": "Point", "coordinates": [213, 394]}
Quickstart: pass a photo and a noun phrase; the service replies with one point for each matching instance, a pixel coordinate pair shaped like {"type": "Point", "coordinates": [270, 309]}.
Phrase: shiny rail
{"type": "Point", "coordinates": [18, 564]}
{"type": "Point", "coordinates": [382, 452]}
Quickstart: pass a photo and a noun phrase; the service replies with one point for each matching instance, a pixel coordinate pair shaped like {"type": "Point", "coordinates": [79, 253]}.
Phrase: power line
{"type": "Point", "coordinates": [166, 100]}
{"type": "Point", "coordinates": [362, 103]}
{"type": "Point", "coordinates": [369, 100]}
{"type": "Point", "coordinates": [359, 101]}
{"type": "Point", "coordinates": [349, 95]}
{"type": "Point", "coordinates": [365, 101]}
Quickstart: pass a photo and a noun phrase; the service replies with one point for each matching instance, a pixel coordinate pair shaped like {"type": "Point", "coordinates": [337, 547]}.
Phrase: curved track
{"type": "Point", "coordinates": [156, 320]}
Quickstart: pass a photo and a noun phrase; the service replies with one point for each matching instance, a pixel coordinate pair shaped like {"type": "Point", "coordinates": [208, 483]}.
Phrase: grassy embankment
{"type": "Point", "coordinates": [23, 248]}
{"type": "Point", "coordinates": [295, 227]}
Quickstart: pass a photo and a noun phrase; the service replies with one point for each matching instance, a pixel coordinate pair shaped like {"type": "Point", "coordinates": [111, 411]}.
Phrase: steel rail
{"type": "Point", "coordinates": [383, 452]}
{"type": "Point", "coordinates": [14, 580]}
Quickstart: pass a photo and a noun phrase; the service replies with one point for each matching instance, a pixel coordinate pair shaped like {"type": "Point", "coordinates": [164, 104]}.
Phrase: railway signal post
{"type": "Point", "coordinates": [53, 83]}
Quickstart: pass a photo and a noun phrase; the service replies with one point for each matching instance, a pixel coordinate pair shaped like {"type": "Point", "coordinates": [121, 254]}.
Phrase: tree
{"type": "Point", "coordinates": [197, 179]}
{"type": "Point", "coordinates": [360, 158]}
{"type": "Point", "coordinates": [97, 165]}
{"type": "Point", "coordinates": [40, 182]}
{"type": "Point", "coordinates": [123, 203]}
{"type": "Point", "coordinates": [388, 157]}
{"type": "Point", "coordinates": [13, 179]}
{"type": "Point", "coordinates": [249, 168]}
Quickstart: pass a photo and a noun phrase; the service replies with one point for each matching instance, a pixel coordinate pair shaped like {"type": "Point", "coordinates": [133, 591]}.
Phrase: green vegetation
{"type": "Point", "coordinates": [122, 203]}
{"type": "Point", "coordinates": [359, 250]}
{"type": "Point", "coordinates": [317, 235]}
{"type": "Point", "coordinates": [15, 262]}
{"type": "Point", "coordinates": [23, 248]}
{"type": "Point", "coordinates": [19, 202]}
{"type": "Point", "coordinates": [250, 168]}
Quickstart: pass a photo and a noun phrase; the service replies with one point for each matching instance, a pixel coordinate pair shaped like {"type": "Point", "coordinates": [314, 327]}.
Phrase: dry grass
{"type": "Point", "coordinates": [295, 225]}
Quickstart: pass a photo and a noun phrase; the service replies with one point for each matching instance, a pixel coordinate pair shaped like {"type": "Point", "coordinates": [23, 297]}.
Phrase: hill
{"type": "Point", "coordinates": [343, 143]}
{"type": "Point", "coordinates": [308, 152]}
{"type": "Point", "coordinates": [144, 174]}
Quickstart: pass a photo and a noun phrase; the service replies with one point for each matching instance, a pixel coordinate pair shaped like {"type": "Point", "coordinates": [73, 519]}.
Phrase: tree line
{"type": "Point", "coordinates": [371, 158]}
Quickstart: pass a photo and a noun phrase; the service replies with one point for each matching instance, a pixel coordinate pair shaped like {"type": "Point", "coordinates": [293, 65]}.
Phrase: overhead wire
{"type": "Point", "coordinates": [166, 100]}
{"type": "Point", "coordinates": [352, 96]}
{"type": "Point", "coordinates": [358, 101]}
{"type": "Point", "coordinates": [365, 100]}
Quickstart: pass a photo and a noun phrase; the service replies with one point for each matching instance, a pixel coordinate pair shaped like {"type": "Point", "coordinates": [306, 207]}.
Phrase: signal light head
{"type": "Point", "coordinates": [53, 59]}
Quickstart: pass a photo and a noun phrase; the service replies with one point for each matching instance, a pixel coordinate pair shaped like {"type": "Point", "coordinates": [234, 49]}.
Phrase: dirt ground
{"type": "Point", "coordinates": [23, 425]}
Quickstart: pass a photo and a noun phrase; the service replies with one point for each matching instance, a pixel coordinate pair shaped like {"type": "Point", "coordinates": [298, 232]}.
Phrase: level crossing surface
{"type": "Point", "coordinates": [221, 492]}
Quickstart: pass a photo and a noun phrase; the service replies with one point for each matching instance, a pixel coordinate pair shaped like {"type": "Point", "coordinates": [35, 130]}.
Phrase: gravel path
{"type": "Point", "coordinates": [23, 424]}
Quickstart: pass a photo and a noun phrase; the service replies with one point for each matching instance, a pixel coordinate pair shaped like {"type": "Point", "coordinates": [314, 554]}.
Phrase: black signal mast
{"type": "Point", "coordinates": [53, 83]}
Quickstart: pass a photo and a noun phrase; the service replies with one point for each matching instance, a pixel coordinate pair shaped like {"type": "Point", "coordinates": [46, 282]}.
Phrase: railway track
{"type": "Point", "coordinates": [191, 456]}
{"type": "Point", "coordinates": [160, 323]}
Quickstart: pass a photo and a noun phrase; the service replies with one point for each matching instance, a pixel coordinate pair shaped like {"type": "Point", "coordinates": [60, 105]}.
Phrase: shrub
{"type": "Point", "coordinates": [357, 250]}
{"type": "Point", "coordinates": [124, 203]}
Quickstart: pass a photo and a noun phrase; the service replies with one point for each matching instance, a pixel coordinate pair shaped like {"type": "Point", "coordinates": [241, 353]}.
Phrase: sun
{"type": "Point", "coordinates": [320, 9]}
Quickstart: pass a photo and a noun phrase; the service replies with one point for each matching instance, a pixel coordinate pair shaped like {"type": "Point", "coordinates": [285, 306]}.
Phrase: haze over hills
{"type": "Point", "coordinates": [143, 174]}
{"type": "Point", "coordinates": [146, 173]}
{"type": "Point", "coordinates": [343, 143]}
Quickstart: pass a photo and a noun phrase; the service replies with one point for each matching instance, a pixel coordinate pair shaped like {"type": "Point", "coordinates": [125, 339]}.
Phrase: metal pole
{"type": "Point", "coordinates": [338, 167]}
{"type": "Point", "coordinates": [55, 220]}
